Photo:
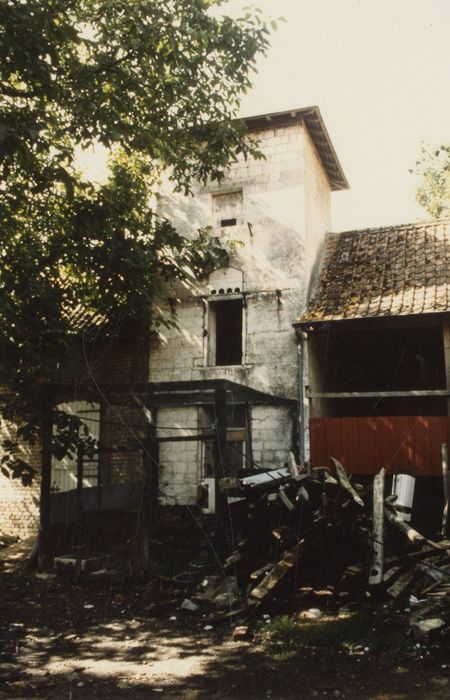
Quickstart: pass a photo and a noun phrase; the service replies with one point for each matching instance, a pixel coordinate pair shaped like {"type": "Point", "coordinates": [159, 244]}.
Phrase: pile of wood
{"type": "Point", "coordinates": [405, 563]}
{"type": "Point", "coordinates": [295, 530]}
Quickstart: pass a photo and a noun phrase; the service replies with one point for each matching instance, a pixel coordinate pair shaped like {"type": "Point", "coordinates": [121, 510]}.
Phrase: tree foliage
{"type": "Point", "coordinates": [157, 83]}
{"type": "Point", "coordinates": [433, 168]}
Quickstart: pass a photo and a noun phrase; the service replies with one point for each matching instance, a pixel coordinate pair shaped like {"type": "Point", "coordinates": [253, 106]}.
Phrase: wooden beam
{"type": "Point", "coordinates": [79, 505]}
{"type": "Point", "coordinates": [446, 488]}
{"type": "Point", "coordinates": [409, 532]}
{"type": "Point", "coordinates": [220, 406]}
{"type": "Point", "coordinates": [46, 477]}
{"type": "Point", "coordinates": [219, 449]}
{"type": "Point", "coordinates": [377, 394]}
{"type": "Point", "coordinates": [181, 392]}
{"type": "Point", "coordinates": [150, 458]}
{"type": "Point", "coordinates": [344, 482]}
{"type": "Point", "coordinates": [446, 346]}
{"type": "Point", "coordinates": [368, 324]}
{"type": "Point", "coordinates": [376, 570]}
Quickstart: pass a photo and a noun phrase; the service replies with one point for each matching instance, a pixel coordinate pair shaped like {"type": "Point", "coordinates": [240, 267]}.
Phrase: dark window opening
{"type": "Point", "coordinates": [379, 360]}
{"type": "Point", "coordinates": [236, 458]}
{"type": "Point", "coordinates": [226, 332]}
{"type": "Point", "coordinates": [227, 222]}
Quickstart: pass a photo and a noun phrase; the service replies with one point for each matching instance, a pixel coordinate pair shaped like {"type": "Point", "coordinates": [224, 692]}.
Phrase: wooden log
{"type": "Point", "coordinates": [407, 530]}
{"type": "Point", "coordinates": [433, 572]}
{"type": "Point", "coordinates": [273, 578]}
{"type": "Point", "coordinates": [262, 570]}
{"type": "Point", "coordinates": [376, 570]}
{"type": "Point", "coordinates": [446, 486]}
{"type": "Point", "coordinates": [401, 583]}
{"type": "Point", "coordinates": [345, 483]}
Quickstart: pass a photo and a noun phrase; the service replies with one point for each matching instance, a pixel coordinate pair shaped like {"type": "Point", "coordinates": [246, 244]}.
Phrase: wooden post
{"type": "Point", "coordinates": [446, 344]}
{"type": "Point", "coordinates": [248, 435]}
{"type": "Point", "coordinates": [46, 476]}
{"type": "Point", "coordinates": [150, 488]}
{"type": "Point", "coordinates": [220, 445]}
{"type": "Point", "coordinates": [303, 403]}
{"type": "Point", "coordinates": [79, 507]}
{"type": "Point", "coordinates": [376, 570]}
{"type": "Point", "coordinates": [220, 405]}
{"type": "Point", "coordinates": [446, 486]}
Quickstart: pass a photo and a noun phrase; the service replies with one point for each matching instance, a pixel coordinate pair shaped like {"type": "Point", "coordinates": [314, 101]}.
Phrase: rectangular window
{"type": "Point", "coordinates": [227, 210]}
{"type": "Point", "coordinates": [225, 332]}
{"type": "Point", "coordinates": [64, 471]}
{"type": "Point", "coordinates": [227, 222]}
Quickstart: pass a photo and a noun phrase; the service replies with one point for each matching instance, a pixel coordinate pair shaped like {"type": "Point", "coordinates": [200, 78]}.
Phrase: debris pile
{"type": "Point", "coordinates": [296, 534]}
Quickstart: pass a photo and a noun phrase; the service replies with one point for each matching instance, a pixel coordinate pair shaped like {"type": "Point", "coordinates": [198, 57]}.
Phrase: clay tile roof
{"type": "Point", "coordinates": [392, 271]}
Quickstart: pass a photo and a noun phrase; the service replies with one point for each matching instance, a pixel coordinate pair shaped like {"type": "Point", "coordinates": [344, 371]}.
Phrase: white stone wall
{"type": "Point", "coordinates": [282, 217]}
{"type": "Point", "coordinates": [179, 461]}
{"type": "Point", "coordinates": [272, 435]}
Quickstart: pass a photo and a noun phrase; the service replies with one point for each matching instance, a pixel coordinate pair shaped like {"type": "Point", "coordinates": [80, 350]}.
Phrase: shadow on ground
{"type": "Point", "coordinates": [61, 640]}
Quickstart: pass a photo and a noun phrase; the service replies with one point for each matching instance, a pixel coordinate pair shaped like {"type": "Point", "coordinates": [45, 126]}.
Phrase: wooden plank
{"type": "Point", "coordinates": [273, 578]}
{"type": "Point", "coordinates": [262, 570]}
{"type": "Point", "coordinates": [376, 570]}
{"type": "Point", "coordinates": [446, 488]}
{"type": "Point", "coordinates": [446, 348]}
{"type": "Point", "coordinates": [376, 394]}
{"type": "Point", "coordinates": [401, 583]}
{"type": "Point", "coordinates": [345, 483]}
{"type": "Point", "coordinates": [409, 532]}
{"type": "Point", "coordinates": [433, 571]}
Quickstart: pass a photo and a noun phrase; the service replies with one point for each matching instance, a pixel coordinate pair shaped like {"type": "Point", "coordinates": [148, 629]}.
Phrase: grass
{"type": "Point", "coordinates": [371, 629]}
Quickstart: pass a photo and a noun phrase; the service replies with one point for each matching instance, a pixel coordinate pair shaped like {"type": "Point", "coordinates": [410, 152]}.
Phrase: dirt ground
{"type": "Point", "coordinates": [62, 641]}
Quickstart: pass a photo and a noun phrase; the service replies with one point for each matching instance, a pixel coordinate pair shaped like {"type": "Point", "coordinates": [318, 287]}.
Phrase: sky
{"type": "Point", "coordinates": [379, 72]}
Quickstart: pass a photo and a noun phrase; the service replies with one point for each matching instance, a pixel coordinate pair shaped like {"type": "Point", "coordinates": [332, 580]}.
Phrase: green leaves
{"type": "Point", "coordinates": [433, 168]}
{"type": "Point", "coordinates": [159, 84]}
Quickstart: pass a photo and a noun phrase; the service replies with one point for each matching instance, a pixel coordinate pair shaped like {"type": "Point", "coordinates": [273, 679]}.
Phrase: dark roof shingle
{"type": "Point", "coordinates": [392, 271]}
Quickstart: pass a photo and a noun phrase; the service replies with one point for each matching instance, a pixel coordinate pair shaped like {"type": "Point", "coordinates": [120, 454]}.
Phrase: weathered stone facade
{"type": "Point", "coordinates": [278, 209]}
{"type": "Point", "coordinates": [273, 214]}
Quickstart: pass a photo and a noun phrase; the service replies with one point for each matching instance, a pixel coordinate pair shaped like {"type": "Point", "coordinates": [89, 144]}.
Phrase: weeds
{"type": "Point", "coordinates": [357, 632]}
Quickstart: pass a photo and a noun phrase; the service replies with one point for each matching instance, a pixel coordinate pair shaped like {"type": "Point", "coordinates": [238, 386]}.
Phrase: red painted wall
{"type": "Point", "coordinates": [365, 444]}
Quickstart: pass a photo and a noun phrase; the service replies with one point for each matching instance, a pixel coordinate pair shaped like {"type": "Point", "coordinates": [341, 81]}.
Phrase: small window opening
{"type": "Point", "coordinates": [225, 332]}
{"type": "Point", "coordinates": [227, 222]}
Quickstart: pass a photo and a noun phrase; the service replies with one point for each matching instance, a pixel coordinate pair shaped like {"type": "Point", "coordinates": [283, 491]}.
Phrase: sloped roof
{"type": "Point", "coordinates": [313, 121]}
{"type": "Point", "coordinates": [392, 271]}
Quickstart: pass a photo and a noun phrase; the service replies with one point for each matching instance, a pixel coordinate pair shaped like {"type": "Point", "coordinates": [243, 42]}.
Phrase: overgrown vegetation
{"type": "Point", "coordinates": [157, 83]}
{"type": "Point", "coordinates": [364, 630]}
{"type": "Point", "coordinates": [433, 168]}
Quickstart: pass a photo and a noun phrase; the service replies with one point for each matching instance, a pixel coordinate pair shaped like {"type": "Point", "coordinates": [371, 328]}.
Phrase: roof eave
{"type": "Point", "coordinates": [313, 121]}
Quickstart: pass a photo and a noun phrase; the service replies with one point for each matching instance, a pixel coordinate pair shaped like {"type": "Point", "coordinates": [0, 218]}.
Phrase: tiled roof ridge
{"type": "Point", "coordinates": [383, 271]}
{"type": "Point", "coordinates": [393, 227]}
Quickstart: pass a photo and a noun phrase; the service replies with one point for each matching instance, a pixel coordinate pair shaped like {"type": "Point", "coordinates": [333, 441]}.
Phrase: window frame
{"type": "Point", "coordinates": [210, 350]}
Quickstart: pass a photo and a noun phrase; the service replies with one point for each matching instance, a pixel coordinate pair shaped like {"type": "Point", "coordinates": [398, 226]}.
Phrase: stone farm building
{"type": "Point", "coordinates": [256, 370]}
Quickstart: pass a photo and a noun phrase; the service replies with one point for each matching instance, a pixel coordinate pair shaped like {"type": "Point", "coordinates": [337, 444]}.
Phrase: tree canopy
{"type": "Point", "coordinates": [433, 192]}
{"type": "Point", "coordinates": [157, 83]}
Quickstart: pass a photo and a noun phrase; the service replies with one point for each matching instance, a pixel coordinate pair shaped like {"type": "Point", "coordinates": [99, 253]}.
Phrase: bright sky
{"type": "Point", "coordinates": [379, 72]}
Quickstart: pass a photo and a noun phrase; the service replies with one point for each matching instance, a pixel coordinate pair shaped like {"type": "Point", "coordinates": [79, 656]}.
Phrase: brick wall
{"type": "Point", "coordinates": [120, 360]}
{"type": "Point", "coordinates": [19, 505]}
